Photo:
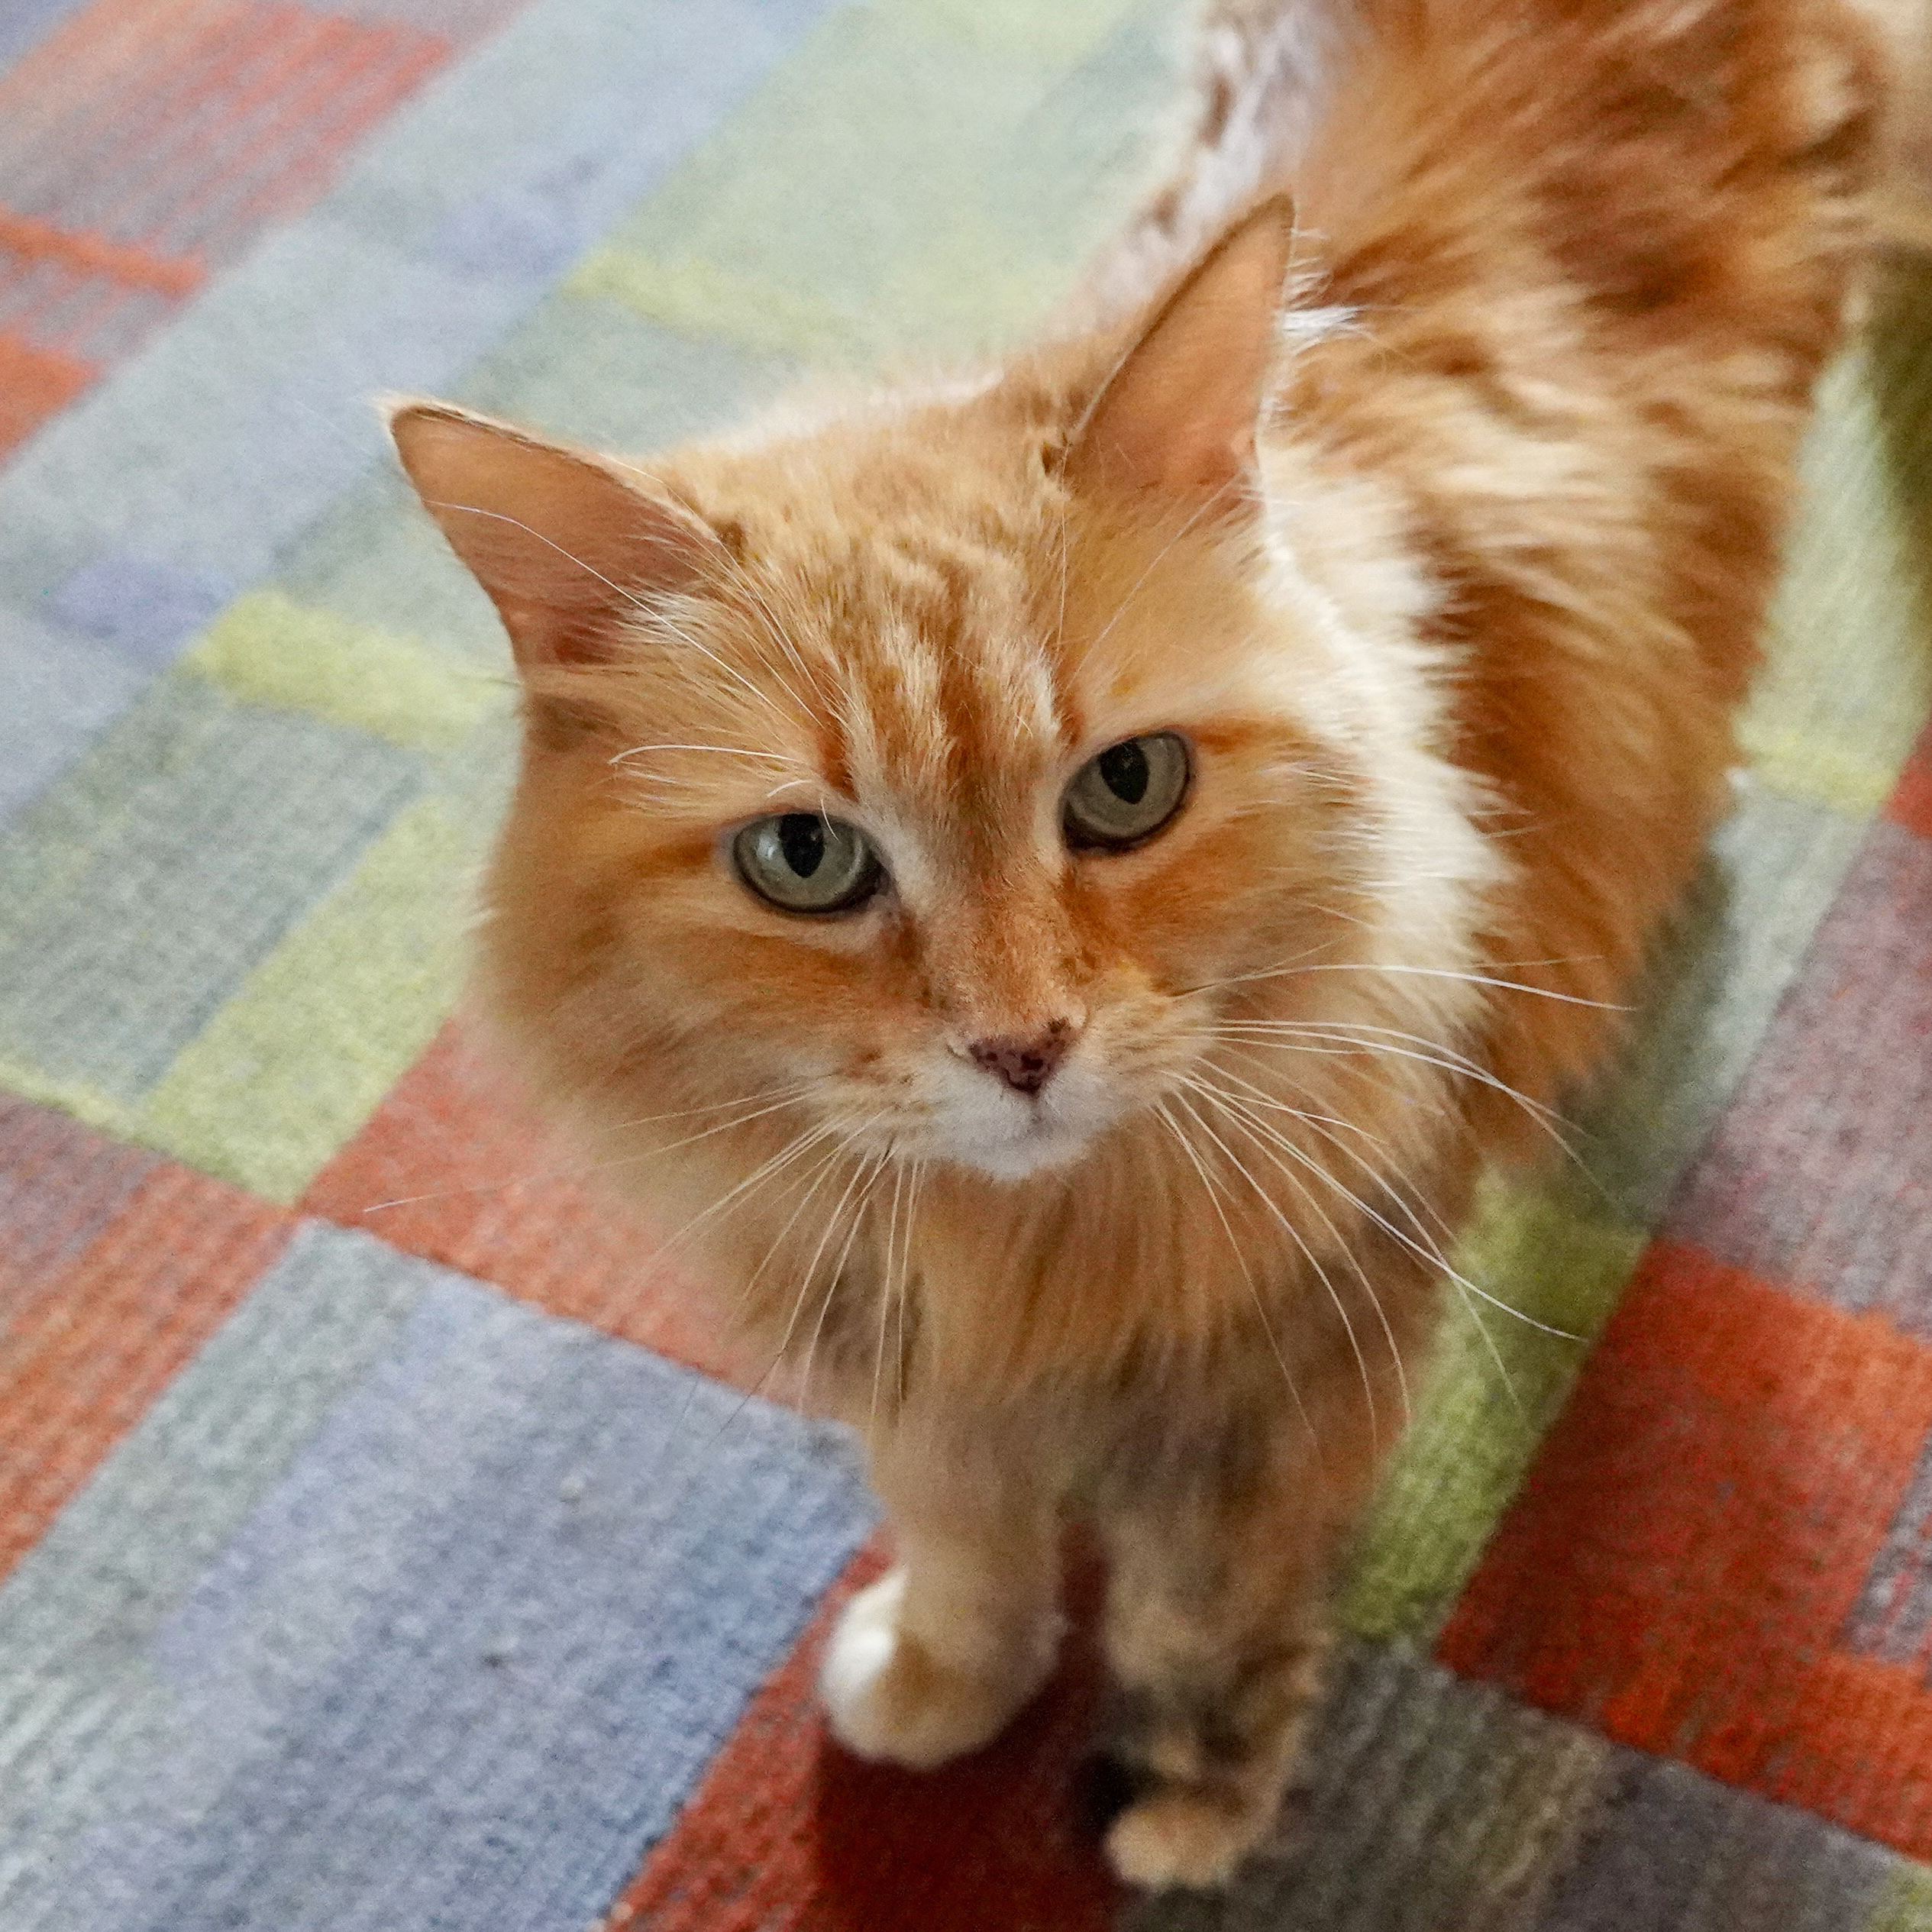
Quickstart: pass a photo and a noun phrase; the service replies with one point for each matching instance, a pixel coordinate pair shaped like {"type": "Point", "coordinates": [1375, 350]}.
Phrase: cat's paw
{"type": "Point", "coordinates": [1182, 1835]}
{"type": "Point", "coordinates": [888, 1698]}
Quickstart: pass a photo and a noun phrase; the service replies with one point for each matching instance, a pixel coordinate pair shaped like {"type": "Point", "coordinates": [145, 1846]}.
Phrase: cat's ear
{"type": "Point", "coordinates": [1178, 414]}
{"type": "Point", "coordinates": [566, 546]}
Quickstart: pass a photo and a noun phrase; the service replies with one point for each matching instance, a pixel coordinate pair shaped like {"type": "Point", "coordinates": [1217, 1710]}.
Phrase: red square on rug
{"type": "Point", "coordinates": [1684, 1567]}
{"type": "Point", "coordinates": [788, 1834]}
{"type": "Point", "coordinates": [453, 1167]}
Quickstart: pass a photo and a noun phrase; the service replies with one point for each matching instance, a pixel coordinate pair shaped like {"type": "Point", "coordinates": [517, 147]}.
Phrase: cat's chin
{"type": "Point", "coordinates": [1037, 1149]}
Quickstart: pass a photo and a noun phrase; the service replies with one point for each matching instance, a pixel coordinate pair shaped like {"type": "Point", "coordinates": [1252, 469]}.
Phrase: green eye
{"type": "Point", "coordinates": [802, 863]}
{"type": "Point", "coordinates": [1126, 794]}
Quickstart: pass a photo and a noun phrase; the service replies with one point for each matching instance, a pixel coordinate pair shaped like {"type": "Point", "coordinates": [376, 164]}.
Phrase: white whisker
{"type": "Point", "coordinates": [1308, 1254]}
{"type": "Point", "coordinates": [848, 1141]}
{"type": "Point", "coordinates": [780, 1096]}
{"type": "Point", "coordinates": [1429, 1253]}
{"type": "Point", "coordinates": [885, 1295]}
{"type": "Point", "coordinates": [768, 1171]}
{"type": "Point", "coordinates": [1344, 1039]}
{"type": "Point", "coordinates": [906, 1282]}
{"type": "Point", "coordinates": [1432, 973]}
{"type": "Point", "coordinates": [652, 611]}
{"type": "Point", "coordinates": [872, 1173]}
{"type": "Point", "coordinates": [765, 1171]}
{"type": "Point", "coordinates": [1427, 1248]}
{"type": "Point", "coordinates": [1255, 1131]}
{"type": "Point", "coordinates": [718, 750]}
{"type": "Point", "coordinates": [1206, 505]}
{"type": "Point", "coordinates": [1241, 1262]}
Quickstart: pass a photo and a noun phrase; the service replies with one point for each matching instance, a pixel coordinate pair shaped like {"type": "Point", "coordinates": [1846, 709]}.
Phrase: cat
{"type": "Point", "coordinates": [1066, 872]}
{"type": "Point", "coordinates": [1902, 200]}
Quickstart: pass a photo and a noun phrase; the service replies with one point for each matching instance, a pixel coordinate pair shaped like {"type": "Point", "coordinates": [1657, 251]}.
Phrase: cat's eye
{"type": "Point", "coordinates": [802, 863]}
{"type": "Point", "coordinates": [1126, 794]}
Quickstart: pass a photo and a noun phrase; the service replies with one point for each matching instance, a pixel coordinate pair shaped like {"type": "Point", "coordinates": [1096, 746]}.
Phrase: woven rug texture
{"type": "Point", "coordinates": [383, 1546]}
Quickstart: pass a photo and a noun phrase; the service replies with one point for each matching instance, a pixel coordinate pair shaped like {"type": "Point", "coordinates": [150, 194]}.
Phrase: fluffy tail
{"type": "Point", "coordinates": [1267, 74]}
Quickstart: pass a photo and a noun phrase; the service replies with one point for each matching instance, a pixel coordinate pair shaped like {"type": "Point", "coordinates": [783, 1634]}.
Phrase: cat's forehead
{"type": "Point", "coordinates": [958, 622]}
{"type": "Point", "coordinates": [913, 571]}
{"type": "Point", "coordinates": [946, 672]}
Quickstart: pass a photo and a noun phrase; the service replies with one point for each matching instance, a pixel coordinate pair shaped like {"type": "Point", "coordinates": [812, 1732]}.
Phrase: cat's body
{"type": "Point", "coordinates": [1106, 1176]}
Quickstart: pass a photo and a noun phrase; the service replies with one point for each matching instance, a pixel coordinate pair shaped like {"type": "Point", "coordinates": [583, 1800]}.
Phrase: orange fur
{"type": "Point", "coordinates": [1450, 576]}
{"type": "Point", "coordinates": [1903, 202]}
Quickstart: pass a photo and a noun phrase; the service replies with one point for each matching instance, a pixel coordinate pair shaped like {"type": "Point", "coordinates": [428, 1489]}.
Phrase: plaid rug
{"type": "Point", "coordinates": [382, 1548]}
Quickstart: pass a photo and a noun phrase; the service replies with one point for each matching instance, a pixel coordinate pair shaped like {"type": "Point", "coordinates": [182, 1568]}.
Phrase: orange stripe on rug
{"type": "Point", "coordinates": [35, 384]}
{"type": "Point", "coordinates": [1681, 1565]}
{"type": "Point", "coordinates": [192, 125]}
{"type": "Point", "coordinates": [83, 252]}
{"type": "Point", "coordinates": [87, 60]}
{"type": "Point", "coordinates": [292, 92]}
{"type": "Point", "coordinates": [453, 1166]}
{"type": "Point", "coordinates": [1910, 803]}
{"type": "Point", "coordinates": [85, 1353]}
{"type": "Point", "coordinates": [788, 1834]}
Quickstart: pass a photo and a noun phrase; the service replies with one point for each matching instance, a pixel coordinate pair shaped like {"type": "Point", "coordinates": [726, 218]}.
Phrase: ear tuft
{"type": "Point", "coordinates": [566, 546]}
{"type": "Point", "coordinates": [1179, 413]}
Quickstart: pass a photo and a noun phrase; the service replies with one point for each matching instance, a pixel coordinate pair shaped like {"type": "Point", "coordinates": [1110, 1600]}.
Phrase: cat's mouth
{"type": "Point", "coordinates": [1042, 1143]}
{"type": "Point", "coordinates": [1011, 1136]}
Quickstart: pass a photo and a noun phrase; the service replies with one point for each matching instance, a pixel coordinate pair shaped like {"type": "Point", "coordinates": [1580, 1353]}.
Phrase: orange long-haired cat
{"type": "Point", "coordinates": [1068, 871]}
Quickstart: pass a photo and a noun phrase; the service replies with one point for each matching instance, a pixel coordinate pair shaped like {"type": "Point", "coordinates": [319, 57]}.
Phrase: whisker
{"type": "Point", "coordinates": [877, 1168]}
{"type": "Point", "coordinates": [1206, 505]}
{"type": "Point", "coordinates": [1265, 973]}
{"type": "Point", "coordinates": [1436, 973]}
{"type": "Point", "coordinates": [1308, 1254]}
{"type": "Point", "coordinates": [1235, 1106]}
{"type": "Point", "coordinates": [1272, 1062]}
{"type": "Point", "coordinates": [847, 1143]}
{"type": "Point", "coordinates": [885, 1297]}
{"type": "Point", "coordinates": [1066, 571]}
{"type": "Point", "coordinates": [811, 1267]}
{"type": "Point", "coordinates": [653, 612]}
{"type": "Point", "coordinates": [1550, 1121]}
{"type": "Point", "coordinates": [1241, 1262]}
{"type": "Point", "coordinates": [768, 619]}
{"type": "Point", "coordinates": [811, 1181]}
{"type": "Point", "coordinates": [1434, 1258]}
{"type": "Point", "coordinates": [719, 750]}
{"type": "Point", "coordinates": [1429, 1251]}
{"type": "Point", "coordinates": [1325, 1125]}
{"type": "Point", "coordinates": [840, 1150]}
{"type": "Point", "coordinates": [764, 1171]}
{"type": "Point", "coordinates": [906, 1282]}
{"type": "Point", "coordinates": [1344, 1037]}
{"type": "Point", "coordinates": [690, 1140]}
{"type": "Point", "coordinates": [780, 1097]}
{"type": "Point", "coordinates": [682, 634]}
{"type": "Point", "coordinates": [1342, 1040]}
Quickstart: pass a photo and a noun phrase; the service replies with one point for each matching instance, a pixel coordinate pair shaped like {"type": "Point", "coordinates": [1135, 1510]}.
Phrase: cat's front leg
{"type": "Point", "coordinates": [1218, 1629]}
{"type": "Point", "coordinates": [934, 1659]}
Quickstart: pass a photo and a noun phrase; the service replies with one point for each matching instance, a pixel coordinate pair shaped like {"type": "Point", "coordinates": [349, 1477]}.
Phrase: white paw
{"type": "Point", "coordinates": [887, 1697]}
{"type": "Point", "coordinates": [1176, 1837]}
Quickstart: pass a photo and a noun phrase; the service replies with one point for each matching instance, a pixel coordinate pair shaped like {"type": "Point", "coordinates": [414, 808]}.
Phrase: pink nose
{"type": "Point", "coordinates": [1025, 1065]}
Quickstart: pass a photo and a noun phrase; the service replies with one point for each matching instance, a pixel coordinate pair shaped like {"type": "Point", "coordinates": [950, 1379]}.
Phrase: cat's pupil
{"type": "Point", "coordinates": [1123, 770]}
{"type": "Point", "coordinates": [802, 839]}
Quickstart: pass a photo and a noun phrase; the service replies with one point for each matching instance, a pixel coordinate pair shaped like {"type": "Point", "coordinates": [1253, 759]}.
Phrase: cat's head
{"type": "Point", "coordinates": [956, 772]}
